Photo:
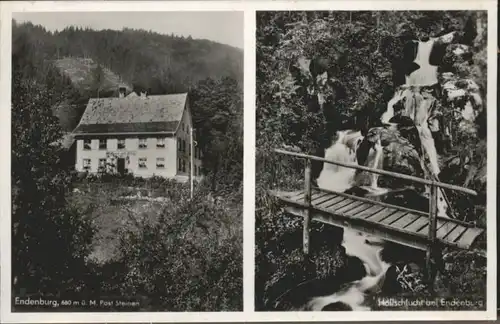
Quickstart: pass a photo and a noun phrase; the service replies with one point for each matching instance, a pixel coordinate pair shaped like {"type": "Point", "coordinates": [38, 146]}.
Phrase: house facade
{"type": "Point", "coordinates": [141, 135]}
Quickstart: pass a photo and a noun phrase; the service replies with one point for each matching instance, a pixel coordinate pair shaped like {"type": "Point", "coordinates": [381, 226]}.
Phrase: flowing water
{"type": "Point", "coordinates": [426, 74]}
{"type": "Point", "coordinates": [368, 249]}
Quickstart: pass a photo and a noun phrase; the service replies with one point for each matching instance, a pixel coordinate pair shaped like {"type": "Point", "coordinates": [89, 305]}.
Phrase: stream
{"type": "Point", "coordinates": [369, 250]}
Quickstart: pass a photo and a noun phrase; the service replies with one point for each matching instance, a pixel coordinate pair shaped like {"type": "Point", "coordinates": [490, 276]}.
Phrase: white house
{"type": "Point", "coordinates": [143, 135]}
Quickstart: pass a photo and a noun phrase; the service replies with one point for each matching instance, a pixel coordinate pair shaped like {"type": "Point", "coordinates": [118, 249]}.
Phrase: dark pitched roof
{"type": "Point", "coordinates": [133, 114]}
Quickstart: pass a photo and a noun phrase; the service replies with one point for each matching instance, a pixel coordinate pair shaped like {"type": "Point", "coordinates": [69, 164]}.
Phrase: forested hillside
{"type": "Point", "coordinates": [162, 63]}
{"type": "Point", "coordinates": [198, 265]}
{"type": "Point", "coordinates": [77, 64]}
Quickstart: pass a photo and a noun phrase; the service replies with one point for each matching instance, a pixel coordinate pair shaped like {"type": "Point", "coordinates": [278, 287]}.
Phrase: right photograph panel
{"type": "Point", "coordinates": [371, 160]}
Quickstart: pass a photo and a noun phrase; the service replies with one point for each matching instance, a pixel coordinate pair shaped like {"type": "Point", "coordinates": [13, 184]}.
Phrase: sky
{"type": "Point", "coordinates": [224, 27]}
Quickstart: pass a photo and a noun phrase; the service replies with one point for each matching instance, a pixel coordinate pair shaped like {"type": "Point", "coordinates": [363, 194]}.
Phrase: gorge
{"type": "Point", "coordinates": [434, 108]}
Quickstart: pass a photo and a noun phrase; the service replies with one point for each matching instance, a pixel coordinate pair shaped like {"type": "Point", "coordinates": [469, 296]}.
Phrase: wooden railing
{"type": "Point", "coordinates": [434, 186]}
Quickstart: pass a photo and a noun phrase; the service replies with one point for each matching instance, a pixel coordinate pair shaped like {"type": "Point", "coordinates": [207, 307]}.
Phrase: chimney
{"type": "Point", "coordinates": [121, 91]}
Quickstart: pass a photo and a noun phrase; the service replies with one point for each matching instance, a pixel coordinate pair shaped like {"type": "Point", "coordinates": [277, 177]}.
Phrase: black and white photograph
{"type": "Point", "coordinates": [371, 150]}
{"type": "Point", "coordinates": [127, 161]}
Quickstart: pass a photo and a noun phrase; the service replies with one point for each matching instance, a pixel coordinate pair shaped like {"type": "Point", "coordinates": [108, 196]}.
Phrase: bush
{"type": "Point", "coordinates": [190, 259]}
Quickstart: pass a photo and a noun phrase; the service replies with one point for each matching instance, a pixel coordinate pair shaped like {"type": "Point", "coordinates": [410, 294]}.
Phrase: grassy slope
{"type": "Point", "coordinates": [80, 71]}
{"type": "Point", "coordinates": [97, 200]}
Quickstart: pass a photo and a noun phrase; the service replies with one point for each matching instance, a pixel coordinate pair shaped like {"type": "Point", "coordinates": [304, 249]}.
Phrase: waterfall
{"type": "Point", "coordinates": [335, 177]}
{"type": "Point", "coordinates": [368, 249]}
{"type": "Point", "coordinates": [418, 106]}
{"type": "Point", "coordinates": [426, 74]}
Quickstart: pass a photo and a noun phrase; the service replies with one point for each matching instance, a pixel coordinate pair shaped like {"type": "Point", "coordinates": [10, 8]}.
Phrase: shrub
{"type": "Point", "coordinates": [190, 259]}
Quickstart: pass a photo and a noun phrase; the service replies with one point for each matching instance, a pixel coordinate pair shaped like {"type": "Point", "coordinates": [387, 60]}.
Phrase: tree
{"type": "Point", "coordinates": [49, 240]}
{"type": "Point", "coordinates": [217, 117]}
{"type": "Point", "coordinates": [98, 78]}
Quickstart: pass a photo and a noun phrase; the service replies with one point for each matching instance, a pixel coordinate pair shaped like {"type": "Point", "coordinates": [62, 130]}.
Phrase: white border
{"type": "Point", "coordinates": [6, 8]}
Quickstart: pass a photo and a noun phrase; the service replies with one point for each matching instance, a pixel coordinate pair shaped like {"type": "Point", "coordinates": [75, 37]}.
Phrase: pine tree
{"type": "Point", "coordinates": [97, 79]}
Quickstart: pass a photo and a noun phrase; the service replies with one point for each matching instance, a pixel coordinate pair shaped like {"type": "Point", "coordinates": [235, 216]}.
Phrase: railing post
{"type": "Point", "coordinates": [307, 201]}
{"type": "Point", "coordinates": [432, 234]}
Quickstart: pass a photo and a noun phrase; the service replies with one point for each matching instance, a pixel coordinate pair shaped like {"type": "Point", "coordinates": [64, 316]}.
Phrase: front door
{"type": "Point", "coordinates": [121, 166]}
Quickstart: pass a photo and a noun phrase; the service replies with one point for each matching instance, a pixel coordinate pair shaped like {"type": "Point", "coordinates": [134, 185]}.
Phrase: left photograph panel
{"type": "Point", "coordinates": [127, 161]}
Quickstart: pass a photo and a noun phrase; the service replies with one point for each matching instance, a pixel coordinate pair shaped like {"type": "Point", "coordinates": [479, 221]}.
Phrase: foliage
{"type": "Point", "coordinates": [217, 108]}
{"type": "Point", "coordinates": [49, 240]}
{"type": "Point", "coordinates": [190, 259]}
{"type": "Point", "coordinates": [98, 79]}
{"type": "Point", "coordinates": [320, 72]}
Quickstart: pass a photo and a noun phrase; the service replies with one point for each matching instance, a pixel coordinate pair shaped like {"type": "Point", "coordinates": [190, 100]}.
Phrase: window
{"type": "Point", "coordinates": [86, 164]}
{"type": "Point", "coordinates": [189, 149]}
{"type": "Point", "coordinates": [121, 144]}
{"type": "Point", "coordinates": [160, 163]}
{"type": "Point", "coordinates": [160, 142]}
{"type": "Point", "coordinates": [142, 163]}
{"type": "Point", "coordinates": [179, 144]}
{"type": "Point", "coordinates": [87, 144]}
{"type": "Point", "coordinates": [183, 166]}
{"type": "Point", "coordinates": [143, 143]}
{"type": "Point", "coordinates": [102, 144]}
{"type": "Point", "coordinates": [102, 165]}
{"type": "Point", "coordinates": [179, 165]}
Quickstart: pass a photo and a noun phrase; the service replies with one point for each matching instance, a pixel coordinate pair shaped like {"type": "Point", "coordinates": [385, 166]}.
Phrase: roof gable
{"type": "Point", "coordinates": [135, 112]}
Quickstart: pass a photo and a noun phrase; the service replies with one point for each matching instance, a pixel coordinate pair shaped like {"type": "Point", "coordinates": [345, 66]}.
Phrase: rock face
{"type": "Point", "coordinates": [427, 112]}
{"type": "Point", "coordinates": [402, 151]}
{"type": "Point", "coordinates": [444, 103]}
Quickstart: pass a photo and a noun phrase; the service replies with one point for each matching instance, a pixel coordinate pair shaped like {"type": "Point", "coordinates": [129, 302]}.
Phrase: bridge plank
{"type": "Point", "coordinates": [318, 195]}
{"type": "Point", "coordinates": [405, 221]}
{"type": "Point", "coordinates": [333, 200]}
{"type": "Point", "coordinates": [353, 212]}
{"type": "Point", "coordinates": [375, 218]}
{"type": "Point", "coordinates": [457, 231]}
{"type": "Point", "coordinates": [394, 217]}
{"type": "Point", "coordinates": [417, 224]}
{"type": "Point", "coordinates": [468, 237]}
{"type": "Point", "coordinates": [370, 211]}
{"type": "Point", "coordinates": [344, 210]}
{"type": "Point", "coordinates": [341, 204]}
{"type": "Point", "coordinates": [445, 230]}
{"type": "Point", "coordinates": [425, 230]}
{"type": "Point", "coordinates": [322, 199]}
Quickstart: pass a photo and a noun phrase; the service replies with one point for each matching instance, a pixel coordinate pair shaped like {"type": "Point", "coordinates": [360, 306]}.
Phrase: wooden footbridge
{"type": "Point", "coordinates": [414, 228]}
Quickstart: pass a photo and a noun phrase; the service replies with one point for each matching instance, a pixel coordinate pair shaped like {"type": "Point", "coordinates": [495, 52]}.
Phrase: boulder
{"type": "Point", "coordinates": [401, 153]}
